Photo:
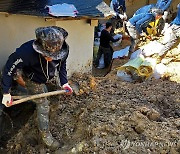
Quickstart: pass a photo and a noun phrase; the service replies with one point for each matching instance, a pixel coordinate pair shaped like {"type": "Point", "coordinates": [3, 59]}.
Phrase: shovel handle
{"type": "Point", "coordinates": [58, 92]}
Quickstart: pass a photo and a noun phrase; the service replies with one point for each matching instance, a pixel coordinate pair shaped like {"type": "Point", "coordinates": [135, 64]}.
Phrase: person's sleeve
{"type": "Point", "coordinates": [142, 22]}
{"type": "Point", "coordinates": [111, 5]}
{"type": "Point", "coordinates": [63, 73]}
{"type": "Point", "coordinates": [124, 5]}
{"type": "Point", "coordinates": [111, 38]}
{"type": "Point", "coordinates": [167, 5]}
{"type": "Point", "coordinates": [14, 62]}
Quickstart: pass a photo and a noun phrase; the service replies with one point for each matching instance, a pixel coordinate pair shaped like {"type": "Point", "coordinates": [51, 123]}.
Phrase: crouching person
{"type": "Point", "coordinates": [137, 26]}
{"type": "Point", "coordinates": [34, 65]}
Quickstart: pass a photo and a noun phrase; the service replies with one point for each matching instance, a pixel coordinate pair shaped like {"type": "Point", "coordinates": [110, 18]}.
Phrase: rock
{"type": "Point", "coordinates": [144, 110]}
{"type": "Point", "coordinates": [113, 107]}
{"type": "Point", "coordinates": [153, 115]}
{"type": "Point", "coordinates": [177, 122]}
{"type": "Point", "coordinates": [140, 128]}
{"type": "Point", "coordinates": [178, 146]}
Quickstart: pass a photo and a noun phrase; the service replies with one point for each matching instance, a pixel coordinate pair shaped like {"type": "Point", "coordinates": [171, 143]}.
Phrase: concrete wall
{"type": "Point", "coordinates": [80, 40]}
{"type": "Point", "coordinates": [17, 29]}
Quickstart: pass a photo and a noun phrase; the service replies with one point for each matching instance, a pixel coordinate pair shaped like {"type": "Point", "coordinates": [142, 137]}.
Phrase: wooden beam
{"type": "Point", "coordinates": [74, 18]}
{"type": "Point", "coordinates": [94, 23]}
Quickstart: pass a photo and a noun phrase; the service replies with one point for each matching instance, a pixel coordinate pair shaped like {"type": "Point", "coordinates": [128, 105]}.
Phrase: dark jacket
{"type": "Point", "coordinates": [141, 21]}
{"type": "Point", "coordinates": [29, 61]}
{"type": "Point", "coordinates": [105, 39]}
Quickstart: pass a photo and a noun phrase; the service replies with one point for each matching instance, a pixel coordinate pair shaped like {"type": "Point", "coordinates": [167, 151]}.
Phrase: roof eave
{"type": "Point", "coordinates": [51, 18]}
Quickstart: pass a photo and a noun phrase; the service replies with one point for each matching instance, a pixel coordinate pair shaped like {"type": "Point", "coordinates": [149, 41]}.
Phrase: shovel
{"type": "Point", "coordinates": [24, 98]}
{"type": "Point", "coordinates": [31, 97]}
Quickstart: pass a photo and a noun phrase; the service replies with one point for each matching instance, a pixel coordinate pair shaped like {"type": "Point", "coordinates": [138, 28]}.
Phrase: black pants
{"type": "Point", "coordinates": [108, 52]}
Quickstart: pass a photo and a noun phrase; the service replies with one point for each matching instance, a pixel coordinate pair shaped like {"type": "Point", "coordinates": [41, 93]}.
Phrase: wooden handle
{"type": "Point", "coordinates": [58, 92]}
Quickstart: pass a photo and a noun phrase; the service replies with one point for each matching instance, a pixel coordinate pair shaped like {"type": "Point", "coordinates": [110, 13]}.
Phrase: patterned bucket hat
{"type": "Point", "coordinates": [49, 41]}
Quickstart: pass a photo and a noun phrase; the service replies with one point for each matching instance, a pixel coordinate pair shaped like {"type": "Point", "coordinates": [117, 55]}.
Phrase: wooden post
{"type": "Point", "coordinates": [147, 2]}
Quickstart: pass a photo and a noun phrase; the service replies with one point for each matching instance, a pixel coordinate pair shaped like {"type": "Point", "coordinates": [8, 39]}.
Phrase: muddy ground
{"type": "Point", "coordinates": [108, 116]}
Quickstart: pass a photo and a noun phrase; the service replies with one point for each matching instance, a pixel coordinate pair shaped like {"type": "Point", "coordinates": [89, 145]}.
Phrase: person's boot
{"type": "Point", "coordinates": [49, 140]}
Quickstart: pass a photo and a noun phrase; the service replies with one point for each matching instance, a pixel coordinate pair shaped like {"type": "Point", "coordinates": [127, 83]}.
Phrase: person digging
{"type": "Point", "coordinates": [34, 66]}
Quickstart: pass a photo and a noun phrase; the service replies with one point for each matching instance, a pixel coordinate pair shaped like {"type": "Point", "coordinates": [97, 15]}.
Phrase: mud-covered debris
{"type": "Point", "coordinates": [108, 115]}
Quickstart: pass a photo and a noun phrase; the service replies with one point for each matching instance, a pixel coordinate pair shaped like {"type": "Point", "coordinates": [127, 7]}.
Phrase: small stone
{"type": "Point", "coordinates": [153, 115]}
{"type": "Point", "coordinates": [144, 110]}
{"type": "Point", "coordinates": [177, 122]}
{"type": "Point", "coordinates": [139, 128]}
{"type": "Point", "coordinates": [113, 107]}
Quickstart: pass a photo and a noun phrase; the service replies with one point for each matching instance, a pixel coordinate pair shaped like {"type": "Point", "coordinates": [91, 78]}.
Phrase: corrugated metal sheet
{"type": "Point", "coordinates": [37, 7]}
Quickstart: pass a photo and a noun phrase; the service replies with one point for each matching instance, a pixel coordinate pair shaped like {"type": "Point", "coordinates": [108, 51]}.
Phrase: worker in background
{"type": "Point", "coordinates": [119, 7]}
{"type": "Point", "coordinates": [164, 5]}
{"type": "Point", "coordinates": [161, 4]}
{"type": "Point", "coordinates": [35, 65]}
{"type": "Point", "coordinates": [172, 33]}
{"type": "Point", "coordinates": [105, 47]}
{"type": "Point", "coordinates": [137, 26]}
{"type": "Point", "coordinates": [144, 9]}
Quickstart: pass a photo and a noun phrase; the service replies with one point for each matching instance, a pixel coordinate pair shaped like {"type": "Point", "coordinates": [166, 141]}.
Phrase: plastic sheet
{"type": "Point", "coordinates": [136, 54]}
{"type": "Point", "coordinates": [129, 71]}
{"type": "Point", "coordinates": [147, 67]}
{"type": "Point", "coordinates": [62, 10]}
{"type": "Point", "coordinates": [121, 53]}
{"type": "Point", "coordinates": [122, 75]}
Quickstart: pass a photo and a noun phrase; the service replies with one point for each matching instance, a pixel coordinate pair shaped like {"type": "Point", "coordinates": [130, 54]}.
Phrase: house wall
{"type": "Point", "coordinates": [80, 40]}
{"type": "Point", "coordinates": [17, 29]}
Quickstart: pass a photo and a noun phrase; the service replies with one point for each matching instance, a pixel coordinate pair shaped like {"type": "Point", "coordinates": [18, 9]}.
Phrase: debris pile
{"type": "Point", "coordinates": [109, 116]}
{"type": "Point", "coordinates": [150, 61]}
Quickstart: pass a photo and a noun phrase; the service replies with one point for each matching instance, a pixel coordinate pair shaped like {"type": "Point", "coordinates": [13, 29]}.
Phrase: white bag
{"type": "Point", "coordinates": [122, 75]}
{"type": "Point", "coordinates": [159, 71]}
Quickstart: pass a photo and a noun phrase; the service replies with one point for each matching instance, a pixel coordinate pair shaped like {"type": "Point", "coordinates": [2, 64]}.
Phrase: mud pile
{"type": "Point", "coordinates": [109, 116]}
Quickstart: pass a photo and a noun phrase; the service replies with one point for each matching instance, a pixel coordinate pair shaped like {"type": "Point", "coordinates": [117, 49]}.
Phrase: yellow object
{"type": "Point", "coordinates": [147, 67]}
{"type": "Point", "coordinates": [139, 67]}
{"type": "Point", "coordinates": [132, 65]}
{"type": "Point", "coordinates": [154, 27]}
{"type": "Point", "coordinates": [92, 83]}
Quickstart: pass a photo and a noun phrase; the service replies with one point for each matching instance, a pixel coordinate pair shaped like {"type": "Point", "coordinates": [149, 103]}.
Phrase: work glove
{"type": "Point", "coordinates": [121, 16]}
{"type": "Point", "coordinates": [68, 88]}
{"type": "Point", "coordinates": [125, 16]}
{"type": "Point", "coordinates": [7, 100]}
